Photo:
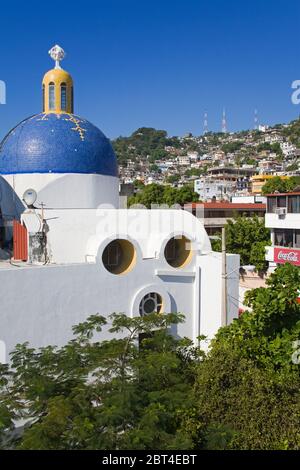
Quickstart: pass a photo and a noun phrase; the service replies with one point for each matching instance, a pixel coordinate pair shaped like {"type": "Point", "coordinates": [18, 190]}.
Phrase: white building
{"type": "Point", "coordinates": [183, 160]}
{"type": "Point", "coordinates": [283, 219]}
{"type": "Point", "coordinates": [288, 149]}
{"type": "Point", "coordinates": [273, 138]}
{"type": "Point", "coordinates": [263, 128]}
{"type": "Point", "coordinates": [253, 199]}
{"type": "Point", "coordinates": [74, 253]}
{"type": "Point", "coordinates": [193, 156]}
{"type": "Point", "coordinates": [208, 189]}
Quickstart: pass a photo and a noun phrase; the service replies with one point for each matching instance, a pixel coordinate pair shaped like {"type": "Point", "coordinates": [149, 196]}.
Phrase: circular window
{"type": "Point", "coordinates": [119, 256]}
{"type": "Point", "coordinates": [151, 303]}
{"type": "Point", "coordinates": [178, 252]}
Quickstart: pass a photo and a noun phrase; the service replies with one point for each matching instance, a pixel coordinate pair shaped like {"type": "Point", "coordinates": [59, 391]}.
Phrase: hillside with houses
{"type": "Point", "coordinates": [236, 163]}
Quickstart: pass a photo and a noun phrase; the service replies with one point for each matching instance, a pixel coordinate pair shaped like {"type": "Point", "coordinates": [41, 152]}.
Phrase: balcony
{"type": "Point", "coordinates": [289, 220]}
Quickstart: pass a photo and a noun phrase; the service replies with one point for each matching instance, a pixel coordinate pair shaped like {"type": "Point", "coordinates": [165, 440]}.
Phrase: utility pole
{"type": "Point", "coordinates": [224, 280]}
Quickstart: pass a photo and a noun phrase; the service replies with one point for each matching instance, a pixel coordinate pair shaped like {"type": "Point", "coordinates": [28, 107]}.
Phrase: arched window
{"type": "Point", "coordinates": [51, 96]}
{"type": "Point", "coordinates": [119, 256]}
{"type": "Point", "coordinates": [63, 97]}
{"type": "Point", "coordinates": [43, 98]}
{"type": "Point", "coordinates": [151, 303]}
{"type": "Point", "coordinates": [178, 252]}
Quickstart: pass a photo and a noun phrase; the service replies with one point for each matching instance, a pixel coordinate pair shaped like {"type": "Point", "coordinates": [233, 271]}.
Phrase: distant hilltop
{"type": "Point", "coordinates": [149, 150]}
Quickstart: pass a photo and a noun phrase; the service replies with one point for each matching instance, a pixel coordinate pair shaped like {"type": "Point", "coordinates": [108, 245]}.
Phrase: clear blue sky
{"type": "Point", "coordinates": [155, 63]}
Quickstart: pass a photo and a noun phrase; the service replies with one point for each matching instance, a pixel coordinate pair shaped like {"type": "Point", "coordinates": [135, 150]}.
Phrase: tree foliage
{"type": "Point", "coordinates": [248, 237]}
{"type": "Point", "coordinates": [145, 142]}
{"type": "Point", "coordinates": [159, 194]}
{"type": "Point", "coordinates": [93, 394]}
{"type": "Point", "coordinates": [275, 148]}
{"type": "Point", "coordinates": [231, 147]}
{"type": "Point", "coordinates": [281, 185]}
{"type": "Point", "coordinates": [247, 391]}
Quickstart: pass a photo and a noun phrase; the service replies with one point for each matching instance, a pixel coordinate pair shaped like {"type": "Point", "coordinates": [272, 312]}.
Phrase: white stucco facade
{"type": "Point", "coordinates": [40, 303]}
{"type": "Point", "coordinates": [68, 191]}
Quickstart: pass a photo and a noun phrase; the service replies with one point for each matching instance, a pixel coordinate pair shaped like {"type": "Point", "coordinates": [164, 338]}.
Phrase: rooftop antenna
{"type": "Point", "coordinates": [205, 124]}
{"type": "Point", "coordinates": [224, 123]}
{"type": "Point", "coordinates": [255, 119]}
{"type": "Point", "coordinates": [29, 197]}
{"type": "Point", "coordinates": [42, 204]}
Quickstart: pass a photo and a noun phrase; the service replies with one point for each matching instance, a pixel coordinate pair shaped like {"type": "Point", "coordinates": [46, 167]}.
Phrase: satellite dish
{"type": "Point", "coordinates": [29, 197]}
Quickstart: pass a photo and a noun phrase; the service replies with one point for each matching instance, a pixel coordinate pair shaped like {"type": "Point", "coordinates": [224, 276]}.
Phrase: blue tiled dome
{"type": "Point", "coordinates": [57, 143]}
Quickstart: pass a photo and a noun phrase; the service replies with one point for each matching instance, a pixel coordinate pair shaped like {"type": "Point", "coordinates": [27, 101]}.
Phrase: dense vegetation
{"type": "Point", "coordinates": [166, 394]}
{"type": "Point", "coordinates": [274, 148]}
{"type": "Point", "coordinates": [232, 146]}
{"type": "Point", "coordinates": [280, 185]}
{"type": "Point", "coordinates": [247, 237]}
{"type": "Point", "coordinates": [248, 389]}
{"type": "Point", "coordinates": [292, 132]}
{"type": "Point", "coordinates": [144, 142]}
{"type": "Point", "coordinates": [152, 194]}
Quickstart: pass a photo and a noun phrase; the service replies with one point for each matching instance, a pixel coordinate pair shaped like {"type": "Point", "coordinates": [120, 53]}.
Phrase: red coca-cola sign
{"type": "Point", "coordinates": [287, 255]}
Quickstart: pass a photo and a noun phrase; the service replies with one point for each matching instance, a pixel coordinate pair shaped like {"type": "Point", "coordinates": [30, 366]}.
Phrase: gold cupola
{"type": "Point", "coordinates": [57, 86]}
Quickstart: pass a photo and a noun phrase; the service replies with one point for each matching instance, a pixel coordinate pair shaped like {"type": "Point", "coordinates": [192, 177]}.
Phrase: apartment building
{"type": "Point", "coordinates": [283, 219]}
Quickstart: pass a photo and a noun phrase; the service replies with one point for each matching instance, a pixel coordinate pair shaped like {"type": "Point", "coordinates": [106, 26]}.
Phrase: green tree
{"type": "Point", "coordinates": [258, 255]}
{"type": "Point", "coordinates": [173, 178]}
{"type": "Point", "coordinates": [144, 142]}
{"type": "Point", "coordinates": [280, 185]}
{"type": "Point", "coordinates": [292, 167]}
{"type": "Point", "coordinates": [232, 146]}
{"type": "Point", "coordinates": [155, 168]}
{"type": "Point", "coordinates": [193, 172]}
{"type": "Point", "coordinates": [159, 194]}
{"type": "Point", "coordinates": [275, 184]}
{"type": "Point", "coordinates": [248, 237]}
{"type": "Point", "coordinates": [138, 184]}
{"type": "Point", "coordinates": [247, 391]}
{"type": "Point", "coordinates": [104, 394]}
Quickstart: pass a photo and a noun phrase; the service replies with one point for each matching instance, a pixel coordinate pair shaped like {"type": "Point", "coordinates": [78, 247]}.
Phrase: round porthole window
{"type": "Point", "coordinates": [119, 256]}
{"type": "Point", "coordinates": [178, 252]}
{"type": "Point", "coordinates": [151, 303]}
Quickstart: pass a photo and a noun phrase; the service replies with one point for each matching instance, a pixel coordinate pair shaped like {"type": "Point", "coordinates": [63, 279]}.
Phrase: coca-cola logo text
{"type": "Point", "coordinates": [286, 256]}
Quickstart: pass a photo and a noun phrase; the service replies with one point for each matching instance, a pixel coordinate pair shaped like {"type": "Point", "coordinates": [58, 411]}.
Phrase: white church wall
{"type": "Point", "coordinates": [78, 236]}
{"type": "Point", "coordinates": [68, 191]}
{"type": "Point", "coordinates": [40, 304]}
{"type": "Point", "coordinates": [210, 294]}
